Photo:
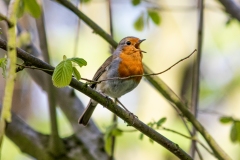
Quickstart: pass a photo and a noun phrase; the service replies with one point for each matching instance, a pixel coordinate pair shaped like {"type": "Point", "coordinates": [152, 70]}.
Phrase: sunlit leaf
{"type": "Point", "coordinates": [226, 119]}
{"type": "Point", "coordinates": [154, 17]}
{"type": "Point", "coordinates": [62, 74]}
{"type": "Point", "coordinates": [32, 7]}
{"type": "Point", "coordinates": [108, 144]}
{"type": "Point", "coordinates": [81, 62]}
{"type": "Point", "coordinates": [139, 23]}
{"type": "Point", "coordinates": [117, 132]}
{"type": "Point", "coordinates": [21, 9]}
{"type": "Point", "coordinates": [136, 2]}
{"type": "Point", "coordinates": [76, 73]}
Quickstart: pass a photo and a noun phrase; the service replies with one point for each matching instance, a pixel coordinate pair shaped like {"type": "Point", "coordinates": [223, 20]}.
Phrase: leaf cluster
{"type": "Point", "coordinates": [63, 72]}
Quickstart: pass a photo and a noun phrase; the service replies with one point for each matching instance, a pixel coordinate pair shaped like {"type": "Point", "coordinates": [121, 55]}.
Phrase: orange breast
{"type": "Point", "coordinates": [131, 64]}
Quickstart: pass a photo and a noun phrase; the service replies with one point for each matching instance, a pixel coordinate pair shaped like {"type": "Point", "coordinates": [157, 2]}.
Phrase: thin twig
{"type": "Point", "coordinates": [32, 67]}
{"type": "Point", "coordinates": [152, 74]}
{"type": "Point", "coordinates": [196, 73]}
{"type": "Point", "coordinates": [176, 132]}
{"type": "Point", "coordinates": [191, 138]}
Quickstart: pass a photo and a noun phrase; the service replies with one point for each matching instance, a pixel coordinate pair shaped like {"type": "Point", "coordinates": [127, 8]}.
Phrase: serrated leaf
{"type": "Point", "coordinates": [81, 62]}
{"type": "Point", "coordinates": [33, 8]}
{"type": "Point", "coordinates": [154, 17]}
{"type": "Point", "coordinates": [3, 65]}
{"type": "Point", "coordinates": [76, 73]}
{"type": "Point", "coordinates": [136, 2]}
{"type": "Point", "coordinates": [141, 136]}
{"type": "Point", "coordinates": [225, 120]}
{"type": "Point", "coordinates": [161, 121]}
{"type": "Point", "coordinates": [139, 23]}
{"type": "Point", "coordinates": [62, 74]}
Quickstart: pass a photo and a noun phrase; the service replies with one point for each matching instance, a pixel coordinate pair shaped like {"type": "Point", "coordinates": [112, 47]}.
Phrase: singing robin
{"type": "Point", "coordinates": [125, 61]}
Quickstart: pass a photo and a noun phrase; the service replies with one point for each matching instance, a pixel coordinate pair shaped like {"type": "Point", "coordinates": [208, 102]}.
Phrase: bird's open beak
{"type": "Point", "coordinates": [137, 45]}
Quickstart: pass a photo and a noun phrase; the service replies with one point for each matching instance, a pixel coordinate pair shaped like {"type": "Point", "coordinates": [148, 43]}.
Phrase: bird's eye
{"type": "Point", "coordinates": [128, 43]}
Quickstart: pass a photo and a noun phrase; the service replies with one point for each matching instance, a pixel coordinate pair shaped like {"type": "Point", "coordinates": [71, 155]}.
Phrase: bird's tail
{"type": "Point", "coordinates": [85, 117]}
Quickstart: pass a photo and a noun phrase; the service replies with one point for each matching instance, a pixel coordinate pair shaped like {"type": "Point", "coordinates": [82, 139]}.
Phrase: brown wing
{"type": "Point", "coordinates": [101, 70]}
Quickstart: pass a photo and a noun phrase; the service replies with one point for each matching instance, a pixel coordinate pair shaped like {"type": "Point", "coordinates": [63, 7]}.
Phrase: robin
{"type": "Point", "coordinates": [125, 61]}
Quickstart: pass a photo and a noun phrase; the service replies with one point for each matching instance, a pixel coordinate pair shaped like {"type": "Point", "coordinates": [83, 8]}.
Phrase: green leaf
{"type": "Point", "coordinates": [154, 17]}
{"type": "Point", "coordinates": [64, 57]}
{"type": "Point", "coordinates": [108, 144]}
{"type": "Point", "coordinates": [235, 132]}
{"type": "Point", "coordinates": [139, 23]}
{"type": "Point", "coordinates": [161, 121]}
{"type": "Point", "coordinates": [62, 74]}
{"type": "Point", "coordinates": [3, 65]}
{"type": "Point", "coordinates": [141, 136]}
{"type": "Point", "coordinates": [33, 8]}
{"type": "Point", "coordinates": [85, 1]}
{"type": "Point", "coordinates": [237, 126]}
{"type": "Point", "coordinates": [76, 73]}
{"type": "Point", "coordinates": [21, 9]}
{"type": "Point", "coordinates": [136, 2]}
{"type": "Point", "coordinates": [150, 124]}
{"type": "Point", "coordinates": [117, 132]}
{"type": "Point", "coordinates": [81, 62]}
{"type": "Point", "coordinates": [108, 137]}
{"type": "Point", "coordinates": [150, 140]}
{"type": "Point", "coordinates": [225, 120]}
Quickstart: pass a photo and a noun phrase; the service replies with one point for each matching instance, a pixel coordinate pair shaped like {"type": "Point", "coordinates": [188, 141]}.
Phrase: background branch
{"type": "Point", "coordinates": [196, 72]}
{"type": "Point", "coordinates": [232, 8]}
{"type": "Point", "coordinates": [55, 144]}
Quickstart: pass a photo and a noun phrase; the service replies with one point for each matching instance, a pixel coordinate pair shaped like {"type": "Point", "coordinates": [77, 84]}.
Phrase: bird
{"type": "Point", "coordinates": [125, 61]}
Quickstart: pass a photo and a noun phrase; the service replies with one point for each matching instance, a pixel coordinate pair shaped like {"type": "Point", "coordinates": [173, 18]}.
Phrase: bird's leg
{"type": "Point", "coordinates": [130, 113]}
{"type": "Point", "coordinates": [107, 97]}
